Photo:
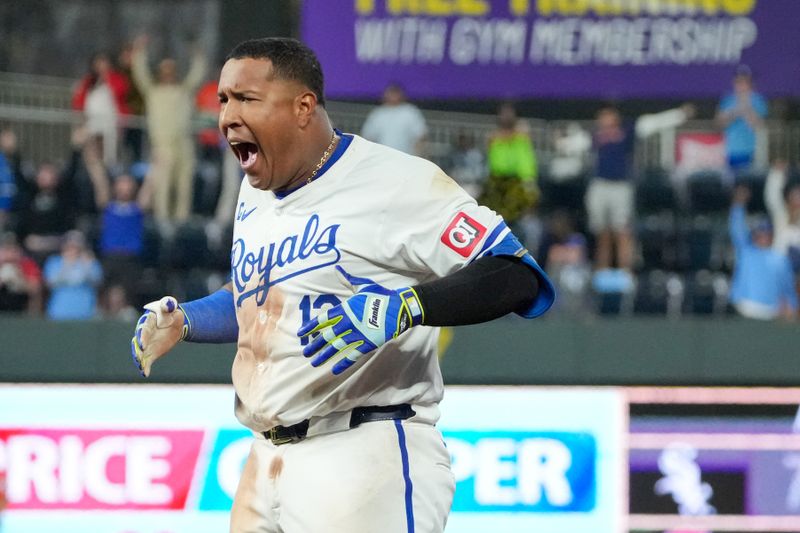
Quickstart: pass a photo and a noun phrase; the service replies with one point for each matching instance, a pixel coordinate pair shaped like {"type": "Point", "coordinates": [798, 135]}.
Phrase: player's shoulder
{"type": "Point", "coordinates": [396, 175]}
{"type": "Point", "coordinates": [385, 161]}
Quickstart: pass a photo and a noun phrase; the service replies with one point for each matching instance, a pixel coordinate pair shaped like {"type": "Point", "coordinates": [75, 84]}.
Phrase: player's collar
{"type": "Point", "coordinates": [344, 141]}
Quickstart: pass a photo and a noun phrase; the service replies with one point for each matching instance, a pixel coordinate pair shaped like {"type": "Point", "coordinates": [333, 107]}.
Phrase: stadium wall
{"type": "Point", "coordinates": [509, 351]}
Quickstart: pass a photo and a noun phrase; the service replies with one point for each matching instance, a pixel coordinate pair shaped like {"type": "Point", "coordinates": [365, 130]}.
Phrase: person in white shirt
{"type": "Point", "coordinates": [396, 123]}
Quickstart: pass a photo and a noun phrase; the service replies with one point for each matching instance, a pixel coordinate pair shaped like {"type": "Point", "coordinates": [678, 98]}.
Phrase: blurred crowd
{"type": "Point", "coordinates": [135, 209]}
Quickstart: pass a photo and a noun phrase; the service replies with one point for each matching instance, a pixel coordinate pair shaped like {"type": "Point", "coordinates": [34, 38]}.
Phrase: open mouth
{"type": "Point", "coordinates": [246, 152]}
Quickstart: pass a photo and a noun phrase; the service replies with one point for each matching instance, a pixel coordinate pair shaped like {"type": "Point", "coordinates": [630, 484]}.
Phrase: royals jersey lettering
{"type": "Point", "coordinates": [378, 214]}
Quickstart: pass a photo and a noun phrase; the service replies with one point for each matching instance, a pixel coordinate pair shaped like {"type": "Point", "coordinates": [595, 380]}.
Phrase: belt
{"type": "Point", "coordinates": [297, 432]}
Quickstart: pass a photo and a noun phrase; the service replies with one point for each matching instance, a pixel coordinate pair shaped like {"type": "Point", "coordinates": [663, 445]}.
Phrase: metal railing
{"type": "Point", "coordinates": [38, 109]}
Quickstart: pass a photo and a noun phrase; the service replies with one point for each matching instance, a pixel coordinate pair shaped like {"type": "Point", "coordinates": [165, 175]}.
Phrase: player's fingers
{"type": "Point", "coordinates": [342, 365]}
{"type": "Point", "coordinates": [333, 347]}
{"type": "Point", "coordinates": [317, 342]}
{"type": "Point", "coordinates": [351, 355]}
{"type": "Point", "coordinates": [307, 327]}
{"type": "Point", "coordinates": [144, 329]}
{"type": "Point", "coordinates": [326, 319]}
{"type": "Point", "coordinates": [168, 304]}
{"type": "Point", "coordinates": [311, 325]}
{"type": "Point", "coordinates": [136, 355]}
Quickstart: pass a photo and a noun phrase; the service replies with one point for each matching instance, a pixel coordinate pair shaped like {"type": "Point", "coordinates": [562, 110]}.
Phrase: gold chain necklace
{"type": "Point", "coordinates": [325, 155]}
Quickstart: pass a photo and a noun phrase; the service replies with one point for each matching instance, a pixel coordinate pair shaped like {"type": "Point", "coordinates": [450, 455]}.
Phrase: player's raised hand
{"type": "Point", "coordinates": [160, 328]}
{"type": "Point", "coordinates": [361, 324]}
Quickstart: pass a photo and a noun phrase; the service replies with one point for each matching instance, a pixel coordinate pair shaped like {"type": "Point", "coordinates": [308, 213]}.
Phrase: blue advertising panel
{"type": "Point", "coordinates": [536, 459]}
{"type": "Point", "coordinates": [553, 48]}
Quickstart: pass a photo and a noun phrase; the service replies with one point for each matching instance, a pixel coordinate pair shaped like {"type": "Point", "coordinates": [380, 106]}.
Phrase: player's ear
{"type": "Point", "coordinates": [305, 105]}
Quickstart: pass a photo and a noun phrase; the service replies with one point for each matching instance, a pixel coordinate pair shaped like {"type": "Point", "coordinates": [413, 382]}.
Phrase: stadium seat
{"type": "Point", "coordinates": [613, 290]}
{"type": "Point", "coordinates": [707, 193]}
{"type": "Point", "coordinates": [654, 193]}
{"type": "Point", "coordinates": [657, 242]}
{"type": "Point", "coordinates": [151, 251]}
{"type": "Point", "coordinates": [189, 247]}
{"type": "Point", "coordinates": [706, 293]}
{"type": "Point", "coordinates": [755, 181]}
{"type": "Point", "coordinates": [658, 293]}
{"type": "Point", "coordinates": [705, 244]}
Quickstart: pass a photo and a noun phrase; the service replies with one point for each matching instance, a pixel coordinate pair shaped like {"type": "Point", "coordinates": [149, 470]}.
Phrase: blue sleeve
{"type": "Point", "coordinates": [95, 274]}
{"type": "Point", "coordinates": [51, 267]}
{"type": "Point", "coordinates": [740, 233]}
{"type": "Point", "coordinates": [788, 288]}
{"type": "Point", "coordinates": [509, 245]}
{"type": "Point", "coordinates": [211, 319]}
{"type": "Point", "coordinates": [630, 137]}
{"type": "Point", "coordinates": [760, 105]}
{"type": "Point", "coordinates": [727, 103]}
{"type": "Point", "coordinates": [7, 185]}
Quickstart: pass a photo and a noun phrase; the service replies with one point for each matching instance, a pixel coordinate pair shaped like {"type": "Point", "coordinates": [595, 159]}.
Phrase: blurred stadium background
{"type": "Point", "coordinates": [642, 402]}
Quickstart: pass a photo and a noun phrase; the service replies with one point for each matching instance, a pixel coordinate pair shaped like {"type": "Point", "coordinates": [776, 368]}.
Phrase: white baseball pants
{"type": "Point", "coordinates": [381, 477]}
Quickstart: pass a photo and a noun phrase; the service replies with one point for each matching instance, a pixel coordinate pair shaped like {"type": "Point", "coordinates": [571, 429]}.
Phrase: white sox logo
{"type": "Point", "coordinates": [463, 234]}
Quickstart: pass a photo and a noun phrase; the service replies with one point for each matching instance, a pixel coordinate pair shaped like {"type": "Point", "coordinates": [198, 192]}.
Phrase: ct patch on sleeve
{"type": "Point", "coordinates": [463, 234]}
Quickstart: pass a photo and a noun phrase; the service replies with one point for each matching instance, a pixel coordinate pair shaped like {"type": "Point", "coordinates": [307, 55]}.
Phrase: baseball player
{"type": "Point", "coordinates": [346, 256]}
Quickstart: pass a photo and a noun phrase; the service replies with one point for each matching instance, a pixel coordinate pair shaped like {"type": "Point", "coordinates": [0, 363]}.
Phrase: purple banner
{"type": "Point", "coordinates": [553, 48]}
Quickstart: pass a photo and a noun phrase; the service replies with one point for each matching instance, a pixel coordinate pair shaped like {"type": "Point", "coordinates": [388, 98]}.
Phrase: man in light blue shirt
{"type": "Point", "coordinates": [741, 113]}
{"type": "Point", "coordinates": [763, 283]}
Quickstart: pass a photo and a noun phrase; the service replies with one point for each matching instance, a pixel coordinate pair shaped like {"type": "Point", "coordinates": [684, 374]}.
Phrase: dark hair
{"type": "Point", "coordinates": [291, 60]}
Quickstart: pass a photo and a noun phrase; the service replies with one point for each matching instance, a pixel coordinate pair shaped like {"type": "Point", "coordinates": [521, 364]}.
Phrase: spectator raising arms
{"type": "Point", "coordinates": [122, 230]}
{"type": "Point", "coordinates": [169, 103]}
{"type": "Point", "coordinates": [102, 96]}
{"type": "Point", "coordinates": [609, 197]}
{"type": "Point", "coordinates": [762, 286]}
{"type": "Point", "coordinates": [783, 203]}
{"type": "Point", "coordinates": [73, 278]}
{"type": "Point", "coordinates": [740, 114]}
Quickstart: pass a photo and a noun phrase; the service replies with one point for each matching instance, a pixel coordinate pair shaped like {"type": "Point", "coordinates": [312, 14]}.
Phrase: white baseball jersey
{"type": "Point", "coordinates": [379, 214]}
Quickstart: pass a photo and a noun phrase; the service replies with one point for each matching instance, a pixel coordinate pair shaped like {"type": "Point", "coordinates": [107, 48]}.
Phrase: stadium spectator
{"type": "Point", "coordinates": [8, 190]}
{"type": "Point", "coordinates": [10, 176]}
{"type": "Point", "coordinates": [467, 164]}
{"type": "Point", "coordinates": [132, 133]}
{"type": "Point", "coordinates": [116, 305]}
{"type": "Point", "coordinates": [47, 204]}
{"type": "Point", "coordinates": [101, 96]}
{"type": "Point", "coordinates": [762, 286]}
{"type": "Point", "coordinates": [783, 204]}
{"type": "Point", "coordinates": [610, 195]}
{"type": "Point", "coordinates": [122, 230]}
{"type": "Point", "coordinates": [741, 113]}
{"type": "Point", "coordinates": [564, 252]}
{"type": "Point", "coordinates": [397, 123]}
{"type": "Point", "coordinates": [572, 146]}
{"type": "Point", "coordinates": [73, 278]}
{"type": "Point", "coordinates": [511, 189]}
{"type": "Point", "coordinates": [169, 102]}
{"type": "Point", "coordinates": [20, 278]}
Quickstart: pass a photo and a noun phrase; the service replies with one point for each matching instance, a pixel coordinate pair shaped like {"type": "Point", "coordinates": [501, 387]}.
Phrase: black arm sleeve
{"type": "Point", "coordinates": [489, 288]}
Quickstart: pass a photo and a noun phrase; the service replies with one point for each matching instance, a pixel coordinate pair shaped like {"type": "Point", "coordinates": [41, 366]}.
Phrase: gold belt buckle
{"type": "Point", "coordinates": [278, 440]}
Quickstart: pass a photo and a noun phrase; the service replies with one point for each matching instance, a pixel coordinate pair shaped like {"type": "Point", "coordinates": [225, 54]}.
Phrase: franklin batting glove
{"type": "Point", "coordinates": [157, 331]}
{"type": "Point", "coordinates": [361, 324]}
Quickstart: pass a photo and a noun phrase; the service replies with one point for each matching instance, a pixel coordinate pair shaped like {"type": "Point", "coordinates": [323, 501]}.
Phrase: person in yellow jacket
{"type": "Point", "coordinates": [511, 189]}
{"type": "Point", "coordinates": [169, 104]}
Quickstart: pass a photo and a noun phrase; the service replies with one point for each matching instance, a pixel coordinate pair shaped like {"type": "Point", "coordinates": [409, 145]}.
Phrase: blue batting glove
{"type": "Point", "coordinates": [361, 324]}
